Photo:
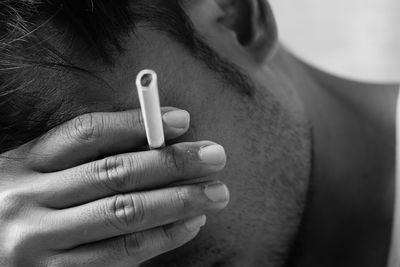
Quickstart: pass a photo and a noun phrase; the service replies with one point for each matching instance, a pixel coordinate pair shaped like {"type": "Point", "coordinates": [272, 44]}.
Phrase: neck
{"type": "Point", "coordinates": [348, 219]}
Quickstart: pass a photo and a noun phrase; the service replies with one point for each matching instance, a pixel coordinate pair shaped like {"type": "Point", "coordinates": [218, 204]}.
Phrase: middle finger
{"type": "Point", "coordinates": [131, 173]}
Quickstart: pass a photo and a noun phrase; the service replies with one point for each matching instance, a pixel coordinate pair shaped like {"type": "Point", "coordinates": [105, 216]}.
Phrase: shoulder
{"type": "Point", "coordinates": [363, 134]}
{"type": "Point", "coordinates": [376, 101]}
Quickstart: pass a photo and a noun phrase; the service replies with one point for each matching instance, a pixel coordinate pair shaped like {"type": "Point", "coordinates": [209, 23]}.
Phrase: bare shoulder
{"type": "Point", "coordinates": [355, 181]}
{"type": "Point", "coordinates": [373, 101]}
{"type": "Point", "coordinates": [378, 101]}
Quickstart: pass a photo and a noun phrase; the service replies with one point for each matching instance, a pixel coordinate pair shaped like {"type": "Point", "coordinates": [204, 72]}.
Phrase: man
{"type": "Point", "coordinates": [290, 133]}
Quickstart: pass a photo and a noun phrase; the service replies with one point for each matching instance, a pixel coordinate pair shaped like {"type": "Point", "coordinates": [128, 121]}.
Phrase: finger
{"type": "Point", "coordinates": [131, 173]}
{"type": "Point", "coordinates": [129, 213]}
{"type": "Point", "coordinates": [134, 249]}
{"type": "Point", "coordinates": [95, 135]}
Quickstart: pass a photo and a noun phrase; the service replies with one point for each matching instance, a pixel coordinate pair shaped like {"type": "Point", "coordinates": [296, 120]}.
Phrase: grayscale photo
{"type": "Point", "coordinates": [200, 133]}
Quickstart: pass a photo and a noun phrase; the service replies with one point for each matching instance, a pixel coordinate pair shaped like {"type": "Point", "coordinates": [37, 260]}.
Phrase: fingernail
{"type": "Point", "coordinates": [177, 119]}
{"type": "Point", "coordinates": [217, 192]}
{"type": "Point", "coordinates": [195, 223]}
{"type": "Point", "coordinates": [213, 154]}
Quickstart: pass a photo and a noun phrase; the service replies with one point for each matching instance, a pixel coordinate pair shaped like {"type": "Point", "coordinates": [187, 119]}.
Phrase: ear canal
{"type": "Point", "coordinates": [238, 18]}
{"type": "Point", "coordinates": [254, 25]}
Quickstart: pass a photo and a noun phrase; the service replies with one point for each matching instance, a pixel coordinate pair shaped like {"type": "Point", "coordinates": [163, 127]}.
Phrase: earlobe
{"type": "Point", "coordinates": [254, 25]}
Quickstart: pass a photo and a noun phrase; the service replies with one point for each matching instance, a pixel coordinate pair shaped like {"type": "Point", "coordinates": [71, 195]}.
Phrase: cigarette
{"type": "Point", "coordinates": [147, 87]}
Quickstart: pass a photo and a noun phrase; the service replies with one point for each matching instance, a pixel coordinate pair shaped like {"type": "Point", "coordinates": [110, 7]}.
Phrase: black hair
{"type": "Point", "coordinates": [29, 100]}
{"type": "Point", "coordinates": [27, 54]}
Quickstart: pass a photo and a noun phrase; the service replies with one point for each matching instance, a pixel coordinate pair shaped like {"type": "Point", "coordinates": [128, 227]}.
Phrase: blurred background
{"type": "Point", "coordinates": [357, 39]}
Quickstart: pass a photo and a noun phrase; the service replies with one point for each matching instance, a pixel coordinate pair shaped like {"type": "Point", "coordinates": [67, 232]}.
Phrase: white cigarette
{"type": "Point", "coordinates": [147, 87]}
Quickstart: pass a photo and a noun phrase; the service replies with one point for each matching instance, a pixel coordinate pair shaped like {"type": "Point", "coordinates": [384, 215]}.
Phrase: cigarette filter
{"type": "Point", "coordinates": [147, 87]}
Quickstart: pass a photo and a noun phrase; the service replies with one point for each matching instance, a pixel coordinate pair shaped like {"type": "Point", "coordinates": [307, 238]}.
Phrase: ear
{"type": "Point", "coordinates": [251, 22]}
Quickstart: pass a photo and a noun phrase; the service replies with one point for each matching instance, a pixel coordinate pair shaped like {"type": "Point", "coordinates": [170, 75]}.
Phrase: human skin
{"type": "Point", "coordinates": [269, 154]}
{"type": "Point", "coordinates": [349, 213]}
{"type": "Point", "coordinates": [73, 198]}
{"type": "Point", "coordinates": [267, 134]}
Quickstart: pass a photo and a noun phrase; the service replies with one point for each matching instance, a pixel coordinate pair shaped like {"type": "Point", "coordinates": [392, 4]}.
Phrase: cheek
{"type": "Point", "coordinates": [268, 166]}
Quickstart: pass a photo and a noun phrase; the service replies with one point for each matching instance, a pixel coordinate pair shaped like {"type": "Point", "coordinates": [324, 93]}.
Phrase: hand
{"type": "Point", "coordinates": [67, 199]}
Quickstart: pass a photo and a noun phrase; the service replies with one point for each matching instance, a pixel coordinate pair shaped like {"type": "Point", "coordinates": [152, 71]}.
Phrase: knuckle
{"type": "Point", "coordinates": [169, 238]}
{"type": "Point", "coordinates": [12, 160]}
{"type": "Point", "coordinates": [138, 120]}
{"type": "Point", "coordinates": [18, 239]}
{"type": "Point", "coordinates": [19, 236]}
{"type": "Point", "coordinates": [87, 127]}
{"type": "Point", "coordinates": [174, 160]}
{"type": "Point", "coordinates": [12, 201]}
{"type": "Point", "coordinates": [182, 198]}
{"type": "Point", "coordinates": [55, 262]}
{"type": "Point", "coordinates": [118, 173]}
{"type": "Point", "coordinates": [113, 173]}
{"type": "Point", "coordinates": [134, 243]}
{"type": "Point", "coordinates": [128, 212]}
{"type": "Point", "coordinates": [168, 235]}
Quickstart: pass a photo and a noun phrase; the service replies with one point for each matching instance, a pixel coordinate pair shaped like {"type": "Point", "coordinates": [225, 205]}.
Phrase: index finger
{"type": "Point", "coordinates": [95, 135]}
